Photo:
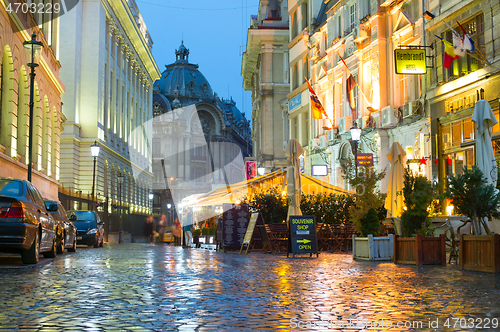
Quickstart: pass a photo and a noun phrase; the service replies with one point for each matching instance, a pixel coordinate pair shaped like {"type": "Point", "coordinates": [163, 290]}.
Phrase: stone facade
{"type": "Point", "coordinates": [265, 72]}
{"type": "Point", "coordinates": [15, 93]}
{"type": "Point", "coordinates": [107, 62]}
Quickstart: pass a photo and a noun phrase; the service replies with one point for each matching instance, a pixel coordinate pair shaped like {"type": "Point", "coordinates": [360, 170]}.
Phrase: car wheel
{"type": "Point", "coordinates": [52, 253]}
{"type": "Point", "coordinates": [30, 256]}
{"type": "Point", "coordinates": [73, 248]}
{"type": "Point", "coordinates": [60, 247]}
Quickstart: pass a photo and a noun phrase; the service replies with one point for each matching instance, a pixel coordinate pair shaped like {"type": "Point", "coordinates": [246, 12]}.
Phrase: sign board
{"type": "Point", "coordinates": [295, 102]}
{"type": "Point", "coordinates": [251, 169]}
{"type": "Point", "coordinates": [303, 235]}
{"type": "Point", "coordinates": [250, 229]}
{"type": "Point", "coordinates": [234, 224]}
{"type": "Point", "coordinates": [319, 170]}
{"type": "Point", "coordinates": [410, 61]}
{"type": "Point", "coordinates": [365, 159]}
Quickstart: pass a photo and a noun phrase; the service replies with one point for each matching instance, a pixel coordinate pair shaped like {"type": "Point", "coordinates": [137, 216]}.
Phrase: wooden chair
{"type": "Point", "coordinates": [456, 225]}
{"type": "Point", "coordinates": [278, 235]}
{"type": "Point", "coordinates": [397, 226]}
{"type": "Point", "coordinates": [349, 231]}
{"type": "Point", "coordinates": [337, 238]}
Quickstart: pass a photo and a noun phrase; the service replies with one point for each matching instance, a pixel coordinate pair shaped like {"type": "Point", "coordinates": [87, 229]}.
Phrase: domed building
{"type": "Point", "coordinates": [199, 139]}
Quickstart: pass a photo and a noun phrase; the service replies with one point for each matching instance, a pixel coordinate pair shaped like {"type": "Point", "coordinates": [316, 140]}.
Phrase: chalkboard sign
{"type": "Point", "coordinates": [303, 235]}
{"type": "Point", "coordinates": [234, 225]}
{"type": "Point", "coordinates": [255, 218]}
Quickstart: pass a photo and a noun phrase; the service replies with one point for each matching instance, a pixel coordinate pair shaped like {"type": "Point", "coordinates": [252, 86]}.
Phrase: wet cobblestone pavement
{"type": "Point", "coordinates": [135, 287]}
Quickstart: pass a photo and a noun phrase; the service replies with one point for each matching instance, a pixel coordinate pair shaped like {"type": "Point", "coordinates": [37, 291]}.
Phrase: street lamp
{"type": "Point", "coordinates": [261, 170]}
{"type": "Point", "coordinates": [94, 149]}
{"type": "Point", "coordinates": [355, 136]}
{"type": "Point", "coordinates": [120, 181]}
{"type": "Point", "coordinates": [32, 51]}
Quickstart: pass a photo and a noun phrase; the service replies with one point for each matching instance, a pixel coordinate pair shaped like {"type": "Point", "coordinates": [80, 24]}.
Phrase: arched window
{"type": "Point", "coordinates": [22, 116]}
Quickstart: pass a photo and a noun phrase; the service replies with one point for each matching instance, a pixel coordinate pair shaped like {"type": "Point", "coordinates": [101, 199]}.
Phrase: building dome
{"type": "Point", "coordinates": [184, 81]}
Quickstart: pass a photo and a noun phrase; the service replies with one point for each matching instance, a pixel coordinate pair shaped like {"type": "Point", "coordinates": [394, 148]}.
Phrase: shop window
{"type": "Point", "coordinates": [457, 133]}
{"type": "Point", "coordinates": [496, 128]}
{"type": "Point", "coordinates": [446, 136]}
{"type": "Point", "coordinates": [468, 133]}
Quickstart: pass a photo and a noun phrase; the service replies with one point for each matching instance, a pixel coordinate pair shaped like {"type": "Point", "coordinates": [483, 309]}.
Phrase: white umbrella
{"type": "Point", "coordinates": [485, 157]}
{"type": "Point", "coordinates": [293, 151]}
{"type": "Point", "coordinates": [394, 200]}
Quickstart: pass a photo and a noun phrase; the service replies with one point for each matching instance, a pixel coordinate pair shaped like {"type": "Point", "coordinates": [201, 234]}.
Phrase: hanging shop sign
{"type": "Point", "coordinates": [410, 61]}
{"type": "Point", "coordinates": [365, 159]}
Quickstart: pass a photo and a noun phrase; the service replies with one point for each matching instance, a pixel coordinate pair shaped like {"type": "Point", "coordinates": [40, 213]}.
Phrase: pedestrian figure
{"type": "Point", "coordinates": [161, 227]}
{"type": "Point", "coordinates": [149, 229]}
{"type": "Point", "coordinates": [176, 232]}
{"type": "Point", "coordinates": [188, 236]}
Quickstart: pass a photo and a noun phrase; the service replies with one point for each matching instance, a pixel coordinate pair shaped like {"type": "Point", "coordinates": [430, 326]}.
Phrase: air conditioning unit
{"type": "Point", "coordinates": [314, 143]}
{"type": "Point", "coordinates": [408, 110]}
{"type": "Point", "coordinates": [323, 141]}
{"type": "Point", "coordinates": [345, 124]}
{"type": "Point", "coordinates": [377, 119]}
{"type": "Point", "coordinates": [389, 119]}
{"type": "Point", "coordinates": [361, 122]}
{"type": "Point", "coordinates": [332, 134]}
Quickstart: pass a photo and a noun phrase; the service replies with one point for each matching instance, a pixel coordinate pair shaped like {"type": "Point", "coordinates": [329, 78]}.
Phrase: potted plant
{"type": "Point", "coordinates": [473, 197]}
{"type": "Point", "coordinates": [363, 214]}
{"type": "Point", "coordinates": [196, 237]}
{"type": "Point", "coordinates": [418, 245]}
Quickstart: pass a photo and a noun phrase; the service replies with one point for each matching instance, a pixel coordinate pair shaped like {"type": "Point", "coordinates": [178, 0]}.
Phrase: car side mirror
{"type": "Point", "coordinates": [52, 208]}
{"type": "Point", "coordinates": [72, 217]}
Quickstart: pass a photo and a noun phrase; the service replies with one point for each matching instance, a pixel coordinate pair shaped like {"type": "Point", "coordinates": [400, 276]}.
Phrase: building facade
{"type": "Point", "coordinates": [109, 71]}
{"type": "Point", "coordinates": [16, 28]}
{"type": "Point", "coordinates": [265, 72]}
{"type": "Point", "coordinates": [199, 140]}
{"type": "Point", "coordinates": [428, 114]}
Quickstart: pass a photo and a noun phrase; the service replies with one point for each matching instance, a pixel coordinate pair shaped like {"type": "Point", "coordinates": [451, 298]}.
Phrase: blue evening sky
{"type": "Point", "coordinates": [214, 32]}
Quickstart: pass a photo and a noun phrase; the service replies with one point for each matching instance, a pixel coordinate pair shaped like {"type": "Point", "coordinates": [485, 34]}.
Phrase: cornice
{"type": "Point", "coordinates": [130, 28]}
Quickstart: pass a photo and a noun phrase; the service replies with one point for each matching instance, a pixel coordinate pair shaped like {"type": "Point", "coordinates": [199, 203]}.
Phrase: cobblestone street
{"type": "Point", "coordinates": [135, 287]}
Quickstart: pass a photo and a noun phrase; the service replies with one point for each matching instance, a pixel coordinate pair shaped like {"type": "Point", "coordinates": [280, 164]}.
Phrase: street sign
{"type": "Point", "coordinates": [303, 238]}
{"type": "Point", "coordinates": [365, 159]}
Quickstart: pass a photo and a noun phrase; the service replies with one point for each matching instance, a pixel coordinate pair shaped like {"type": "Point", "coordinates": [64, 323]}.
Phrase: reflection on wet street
{"type": "Point", "coordinates": [165, 288]}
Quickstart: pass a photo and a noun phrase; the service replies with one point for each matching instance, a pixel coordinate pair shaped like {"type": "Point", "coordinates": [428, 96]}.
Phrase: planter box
{"type": "Point", "coordinates": [480, 253]}
{"type": "Point", "coordinates": [420, 250]}
{"type": "Point", "coordinates": [373, 248]}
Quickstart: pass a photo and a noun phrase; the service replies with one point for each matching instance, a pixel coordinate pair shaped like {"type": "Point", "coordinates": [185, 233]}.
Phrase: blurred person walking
{"type": "Point", "coordinates": [188, 236]}
{"type": "Point", "coordinates": [150, 229]}
{"type": "Point", "coordinates": [161, 227]}
{"type": "Point", "coordinates": [176, 232]}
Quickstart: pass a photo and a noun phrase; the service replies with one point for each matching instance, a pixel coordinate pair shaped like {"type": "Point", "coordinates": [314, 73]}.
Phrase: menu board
{"type": "Point", "coordinates": [234, 224]}
{"type": "Point", "coordinates": [303, 235]}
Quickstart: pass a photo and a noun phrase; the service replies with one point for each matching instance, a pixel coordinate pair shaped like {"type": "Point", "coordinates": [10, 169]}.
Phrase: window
{"type": "Point", "coordinates": [295, 77]}
{"type": "Point", "coordinates": [303, 12]}
{"type": "Point", "coordinates": [352, 16]}
{"type": "Point", "coordinates": [305, 69]}
{"type": "Point", "coordinates": [295, 28]}
{"type": "Point", "coordinates": [470, 62]}
{"type": "Point", "coordinates": [403, 89]}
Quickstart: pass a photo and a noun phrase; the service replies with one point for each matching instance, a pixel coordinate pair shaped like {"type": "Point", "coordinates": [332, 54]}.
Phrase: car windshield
{"type": "Point", "coordinates": [82, 215]}
{"type": "Point", "coordinates": [10, 188]}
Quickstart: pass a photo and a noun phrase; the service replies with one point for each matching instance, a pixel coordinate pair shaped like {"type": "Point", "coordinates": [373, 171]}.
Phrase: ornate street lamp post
{"type": "Point", "coordinates": [32, 50]}
{"type": "Point", "coordinates": [120, 181]}
{"type": "Point", "coordinates": [355, 136]}
{"type": "Point", "coordinates": [94, 149]}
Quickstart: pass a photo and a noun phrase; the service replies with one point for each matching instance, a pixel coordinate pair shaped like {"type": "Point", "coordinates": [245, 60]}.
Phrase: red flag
{"type": "Point", "coordinates": [350, 84]}
{"type": "Point", "coordinates": [449, 54]}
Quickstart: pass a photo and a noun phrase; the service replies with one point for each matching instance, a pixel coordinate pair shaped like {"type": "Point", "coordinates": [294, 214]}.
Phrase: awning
{"type": "Point", "coordinates": [248, 188]}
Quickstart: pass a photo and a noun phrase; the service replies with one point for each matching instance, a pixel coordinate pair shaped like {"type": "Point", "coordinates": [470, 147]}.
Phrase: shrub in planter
{"type": "Point", "coordinates": [271, 204]}
{"type": "Point", "coordinates": [418, 194]}
{"type": "Point", "coordinates": [370, 223]}
{"type": "Point", "coordinates": [367, 196]}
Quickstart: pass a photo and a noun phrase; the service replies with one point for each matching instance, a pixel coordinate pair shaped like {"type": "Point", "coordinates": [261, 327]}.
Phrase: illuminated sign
{"type": "Point", "coordinates": [319, 170]}
{"type": "Point", "coordinates": [303, 235]}
{"type": "Point", "coordinates": [365, 159]}
{"type": "Point", "coordinates": [410, 61]}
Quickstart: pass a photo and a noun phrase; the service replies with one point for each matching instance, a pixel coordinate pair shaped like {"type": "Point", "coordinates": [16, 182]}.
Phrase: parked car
{"type": "Point", "coordinates": [66, 230]}
{"type": "Point", "coordinates": [26, 227]}
{"type": "Point", "coordinates": [90, 228]}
